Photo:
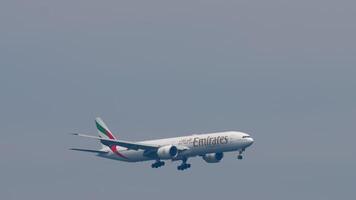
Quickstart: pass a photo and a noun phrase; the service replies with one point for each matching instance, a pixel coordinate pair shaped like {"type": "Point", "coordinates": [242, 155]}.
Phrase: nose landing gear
{"type": "Point", "coordinates": [240, 157]}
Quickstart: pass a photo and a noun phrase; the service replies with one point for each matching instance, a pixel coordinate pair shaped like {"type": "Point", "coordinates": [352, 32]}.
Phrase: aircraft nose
{"type": "Point", "coordinates": [250, 141]}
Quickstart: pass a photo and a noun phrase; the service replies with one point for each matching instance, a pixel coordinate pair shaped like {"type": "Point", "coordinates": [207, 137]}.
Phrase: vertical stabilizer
{"type": "Point", "coordinates": [103, 131]}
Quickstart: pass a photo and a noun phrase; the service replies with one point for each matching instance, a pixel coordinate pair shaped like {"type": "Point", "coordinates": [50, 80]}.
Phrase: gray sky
{"type": "Point", "coordinates": [283, 71]}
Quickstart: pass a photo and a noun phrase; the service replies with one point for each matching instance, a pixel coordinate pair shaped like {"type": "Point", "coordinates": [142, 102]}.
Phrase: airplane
{"type": "Point", "coordinates": [210, 147]}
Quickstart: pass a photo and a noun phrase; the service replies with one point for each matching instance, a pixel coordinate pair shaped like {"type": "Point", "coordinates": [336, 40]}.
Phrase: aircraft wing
{"type": "Point", "coordinates": [89, 150]}
{"type": "Point", "coordinates": [122, 143]}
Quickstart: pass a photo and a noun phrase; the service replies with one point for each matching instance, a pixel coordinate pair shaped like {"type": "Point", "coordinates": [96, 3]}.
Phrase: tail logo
{"type": "Point", "coordinates": [105, 131]}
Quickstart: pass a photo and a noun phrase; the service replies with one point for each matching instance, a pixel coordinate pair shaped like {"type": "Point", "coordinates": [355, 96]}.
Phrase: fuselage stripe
{"type": "Point", "coordinates": [114, 149]}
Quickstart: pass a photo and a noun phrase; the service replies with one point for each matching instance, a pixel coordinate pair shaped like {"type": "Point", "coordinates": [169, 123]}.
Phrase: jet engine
{"type": "Point", "coordinates": [167, 152]}
{"type": "Point", "coordinates": [213, 157]}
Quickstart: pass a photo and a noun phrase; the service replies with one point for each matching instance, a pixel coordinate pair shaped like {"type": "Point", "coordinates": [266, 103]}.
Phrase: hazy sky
{"type": "Point", "coordinates": [283, 71]}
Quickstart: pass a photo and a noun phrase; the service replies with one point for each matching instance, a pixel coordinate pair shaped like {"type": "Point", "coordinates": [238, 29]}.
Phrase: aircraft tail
{"type": "Point", "coordinates": [103, 130]}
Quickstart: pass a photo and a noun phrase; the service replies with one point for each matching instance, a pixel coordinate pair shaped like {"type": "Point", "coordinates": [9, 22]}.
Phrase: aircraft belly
{"type": "Point", "coordinates": [135, 156]}
{"type": "Point", "coordinates": [127, 156]}
{"type": "Point", "coordinates": [138, 155]}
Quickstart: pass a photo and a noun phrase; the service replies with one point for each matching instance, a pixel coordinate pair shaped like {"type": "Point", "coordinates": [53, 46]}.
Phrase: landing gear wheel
{"type": "Point", "coordinates": [240, 157]}
{"type": "Point", "coordinates": [184, 165]}
{"type": "Point", "coordinates": [158, 164]}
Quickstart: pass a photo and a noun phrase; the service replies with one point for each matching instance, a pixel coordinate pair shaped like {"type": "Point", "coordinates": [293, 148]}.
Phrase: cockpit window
{"type": "Point", "coordinates": [246, 136]}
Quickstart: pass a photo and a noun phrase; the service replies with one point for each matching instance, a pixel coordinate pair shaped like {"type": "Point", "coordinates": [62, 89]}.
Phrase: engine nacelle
{"type": "Point", "coordinates": [167, 152]}
{"type": "Point", "coordinates": [213, 157]}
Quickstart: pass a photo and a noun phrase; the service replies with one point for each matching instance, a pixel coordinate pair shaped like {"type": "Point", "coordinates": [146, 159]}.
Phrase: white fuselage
{"type": "Point", "coordinates": [196, 145]}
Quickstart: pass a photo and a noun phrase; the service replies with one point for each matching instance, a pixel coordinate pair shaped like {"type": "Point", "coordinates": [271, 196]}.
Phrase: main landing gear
{"type": "Point", "coordinates": [240, 157]}
{"type": "Point", "coordinates": [184, 165]}
{"type": "Point", "coordinates": [157, 164]}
